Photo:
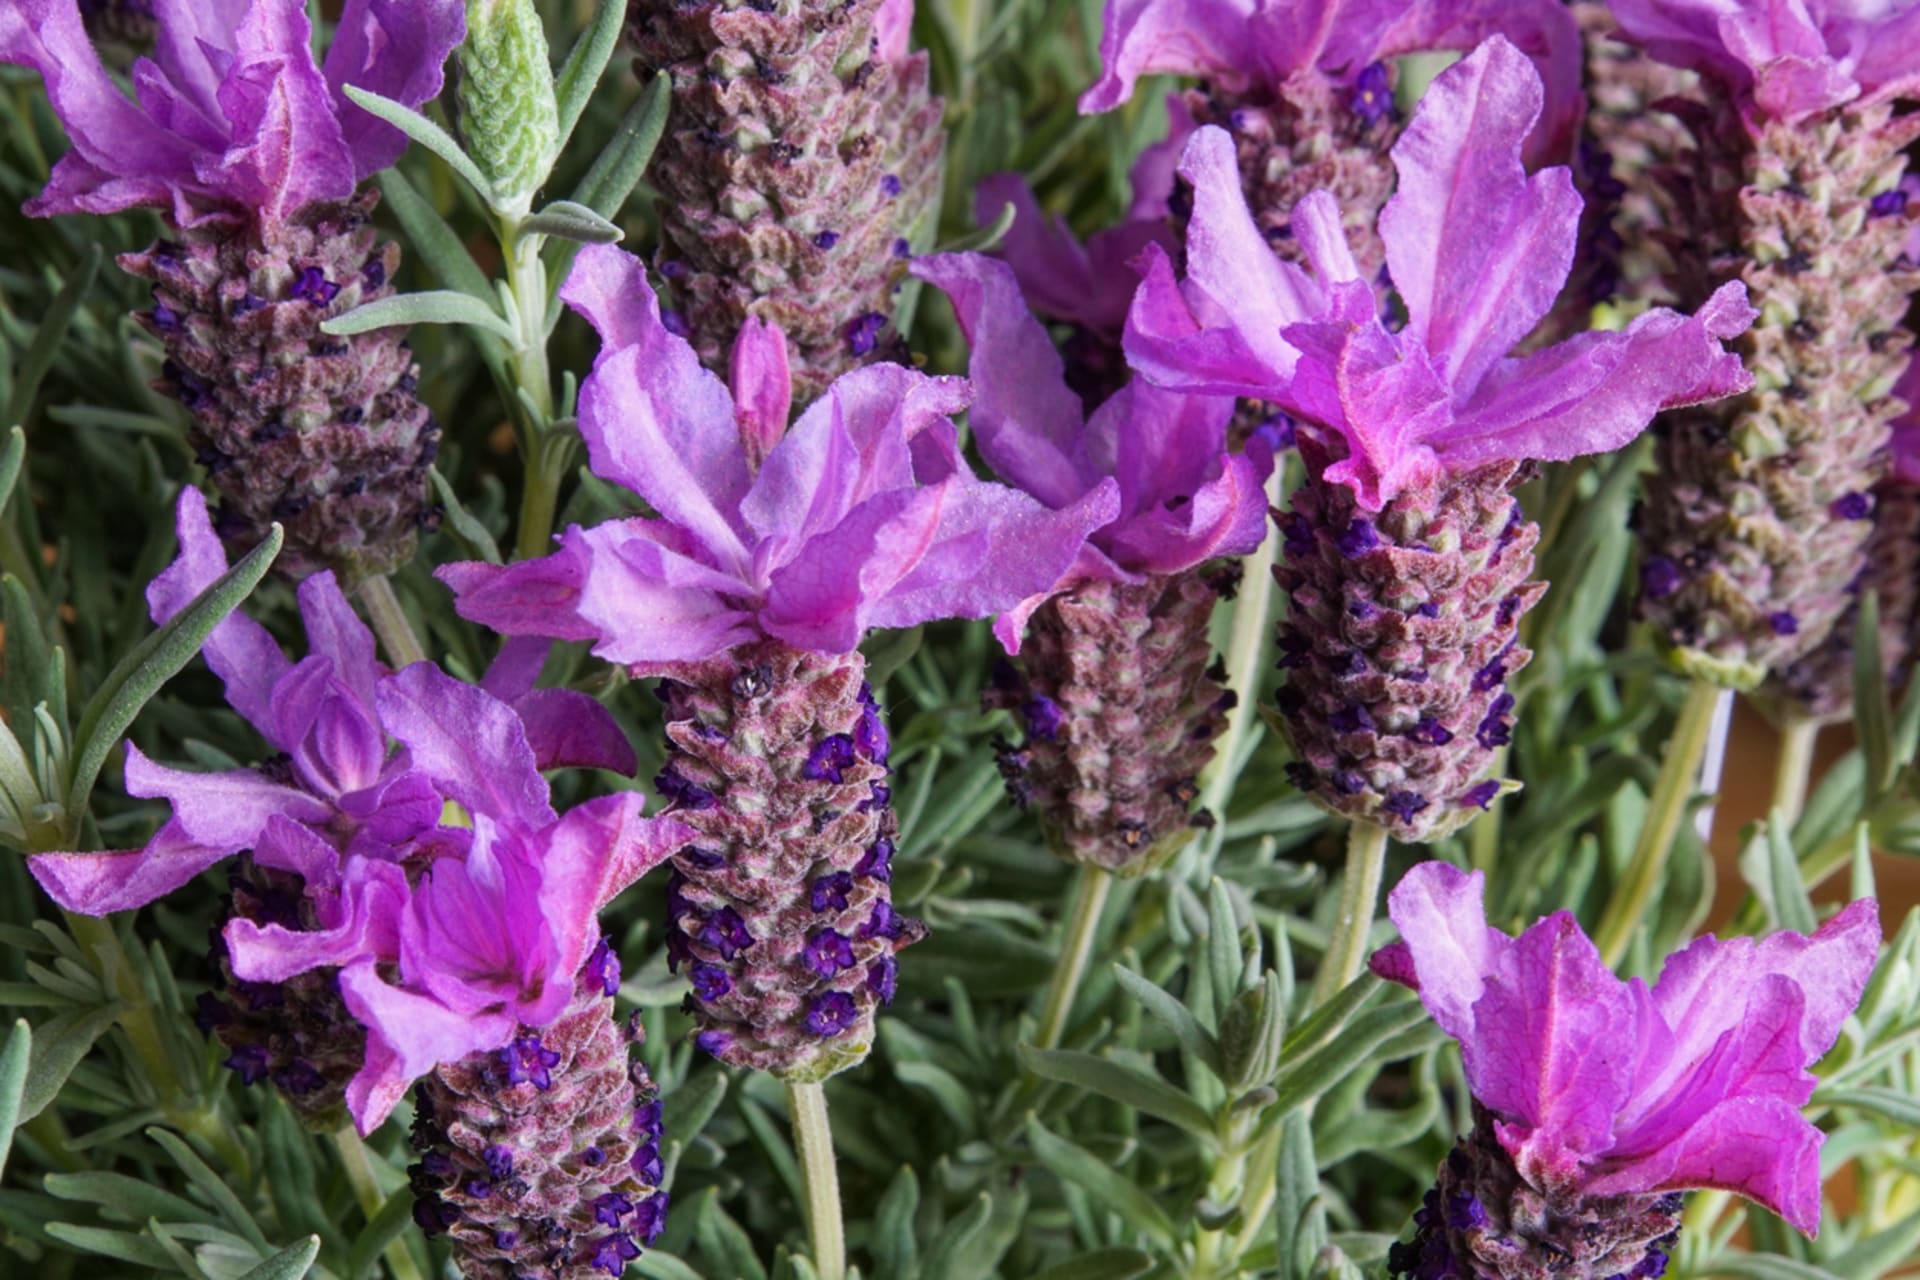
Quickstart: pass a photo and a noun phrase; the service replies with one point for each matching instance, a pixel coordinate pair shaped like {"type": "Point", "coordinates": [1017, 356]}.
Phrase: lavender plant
{"type": "Point", "coordinates": [993, 939]}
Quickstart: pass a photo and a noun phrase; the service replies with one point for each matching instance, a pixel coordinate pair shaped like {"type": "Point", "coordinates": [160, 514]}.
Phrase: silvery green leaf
{"type": "Point", "coordinates": [1306, 1078]}
{"type": "Point", "coordinates": [617, 169]}
{"type": "Point", "coordinates": [423, 131]}
{"type": "Point", "coordinates": [122, 1246]}
{"type": "Point", "coordinates": [723, 1243]}
{"type": "Point", "coordinates": [895, 1250]}
{"type": "Point", "coordinates": [139, 675]}
{"type": "Point", "coordinates": [1098, 1178]}
{"type": "Point", "coordinates": [436, 306]}
{"type": "Point", "coordinates": [57, 1046]}
{"type": "Point", "coordinates": [461, 523]}
{"type": "Point", "coordinates": [386, 1226]}
{"type": "Point", "coordinates": [1131, 1086]}
{"type": "Point", "coordinates": [1117, 1263]}
{"type": "Point", "coordinates": [570, 221]}
{"type": "Point", "coordinates": [50, 331]}
{"type": "Point", "coordinates": [586, 63]}
{"type": "Point", "coordinates": [982, 239]}
{"type": "Point", "coordinates": [14, 1059]}
{"type": "Point", "coordinates": [438, 245]}
{"type": "Point", "coordinates": [291, 1263]}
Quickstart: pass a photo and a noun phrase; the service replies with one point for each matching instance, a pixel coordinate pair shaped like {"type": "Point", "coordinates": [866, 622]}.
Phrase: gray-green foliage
{"type": "Point", "coordinates": [1196, 1118]}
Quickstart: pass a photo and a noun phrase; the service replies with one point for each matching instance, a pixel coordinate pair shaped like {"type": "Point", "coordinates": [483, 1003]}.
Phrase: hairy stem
{"type": "Point", "coordinates": [1679, 773]}
{"type": "Point", "coordinates": [813, 1143]}
{"type": "Point", "coordinates": [1359, 892]}
{"type": "Point", "coordinates": [357, 1161]}
{"type": "Point", "coordinates": [1076, 946]}
{"type": "Point", "coordinates": [390, 622]}
{"type": "Point", "coordinates": [527, 289]}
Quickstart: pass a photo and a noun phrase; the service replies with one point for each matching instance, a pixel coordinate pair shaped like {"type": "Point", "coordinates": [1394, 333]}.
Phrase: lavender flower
{"type": "Point", "coordinates": [1595, 1099]}
{"type": "Point", "coordinates": [1406, 557]}
{"type": "Point", "coordinates": [804, 146]}
{"type": "Point", "coordinates": [1794, 188]}
{"type": "Point", "coordinates": [1121, 703]}
{"type": "Point", "coordinates": [1304, 90]}
{"type": "Point", "coordinates": [773, 553]}
{"type": "Point", "coordinates": [253, 153]}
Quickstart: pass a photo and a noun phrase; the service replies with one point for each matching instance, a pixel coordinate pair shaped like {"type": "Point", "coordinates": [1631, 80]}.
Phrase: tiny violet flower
{"type": "Point", "coordinates": [1597, 1098]}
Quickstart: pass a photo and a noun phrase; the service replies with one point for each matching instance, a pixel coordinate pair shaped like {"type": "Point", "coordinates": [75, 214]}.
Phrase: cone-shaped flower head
{"type": "Point", "coordinates": [772, 553]}
{"type": "Point", "coordinates": [1794, 187]}
{"type": "Point", "coordinates": [801, 164]}
{"type": "Point", "coordinates": [233, 112]}
{"type": "Point", "coordinates": [1406, 558]}
{"type": "Point", "coordinates": [1598, 1098]}
{"type": "Point", "coordinates": [1305, 87]}
{"type": "Point", "coordinates": [1120, 704]}
{"type": "Point", "coordinates": [1785, 59]}
{"type": "Point", "coordinates": [254, 154]}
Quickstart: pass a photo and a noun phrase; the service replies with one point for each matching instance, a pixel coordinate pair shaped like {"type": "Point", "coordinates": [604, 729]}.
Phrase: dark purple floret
{"type": "Point", "coordinates": [828, 952]}
{"type": "Point", "coordinates": [1404, 804]}
{"type": "Point", "coordinates": [1493, 730]}
{"type": "Point", "coordinates": [1348, 783]}
{"type": "Point", "coordinates": [829, 892]}
{"type": "Point", "coordinates": [314, 288]}
{"type": "Point", "coordinates": [870, 733]}
{"type": "Point", "coordinates": [1660, 577]}
{"type": "Point", "coordinates": [478, 1188]}
{"type": "Point", "coordinates": [646, 1164]}
{"type": "Point", "coordinates": [1358, 538]}
{"type": "Point", "coordinates": [877, 861]}
{"type": "Point", "coordinates": [726, 932]}
{"type": "Point", "coordinates": [863, 332]}
{"type": "Point", "coordinates": [883, 976]}
{"type": "Point", "coordinates": [250, 1061]}
{"type": "Point", "coordinates": [1430, 732]}
{"type": "Point", "coordinates": [1426, 609]}
{"type": "Point", "coordinates": [1888, 204]}
{"type": "Point", "coordinates": [374, 273]}
{"type": "Point", "coordinates": [1503, 616]}
{"type": "Point", "coordinates": [1852, 506]}
{"type": "Point", "coordinates": [901, 249]}
{"type": "Point", "coordinates": [826, 239]}
{"type": "Point", "coordinates": [677, 789]}
{"type": "Point", "coordinates": [1491, 675]}
{"type": "Point", "coordinates": [705, 859]}
{"type": "Point", "coordinates": [299, 1078]}
{"type": "Point", "coordinates": [1043, 718]}
{"type": "Point", "coordinates": [506, 1239]}
{"type": "Point", "coordinates": [210, 1011]}
{"type": "Point", "coordinates": [673, 269]}
{"type": "Point", "coordinates": [593, 1155]}
{"type": "Point", "coordinates": [433, 1215]}
{"type": "Point", "coordinates": [1352, 718]}
{"type": "Point", "coordinates": [1465, 1212]}
{"type": "Point", "coordinates": [890, 185]}
{"type": "Point", "coordinates": [610, 1208]}
{"type": "Point", "coordinates": [879, 797]}
{"type": "Point", "coordinates": [712, 1042]}
{"type": "Point", "coordinates": [603, 968]}
{"type": "Point", "coordinates": [674, 323]}
{"type": "Point", "coordinates": [883, 923]}
{"type": "Point", "coordinates": [1481, 794]}
{"type": "Point", "coordinates": [1783, 622]}
{"type": "Point", "coordinates": [615, 1252]}
{"type": "Point", "coordinates": [828, 758]}
{"type": "Point", "coordinates": [650, 1217]}
{"type": "Point", "coordinates": [528, 1061]}
{"type": "Point", "coordinates": [710, 981]}
{"type": "Point", "coordinates": [831, 1013]}
{"type": "Point", "coordinates": [165, 318]}
{"type": "Point", "coordinates": [1372, 94]}
{"type": "Point", "coordinates": [499, 1162]}
{"type": "Point", "coordinates": [648, 1119]}
{"type": "Point", "coordinates": [1296, 533]}
{"type": "Point", "coordinates": [1361, 610]}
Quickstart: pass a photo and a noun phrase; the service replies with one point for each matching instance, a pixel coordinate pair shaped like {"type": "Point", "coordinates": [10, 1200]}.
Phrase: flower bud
{"type": "Point", "coordinates": [506, 115]}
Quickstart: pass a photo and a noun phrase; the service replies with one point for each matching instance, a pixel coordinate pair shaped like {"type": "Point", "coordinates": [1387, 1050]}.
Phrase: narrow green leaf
{"type": "Point", "coordinates": [724, 1243]}
{"type": "Point", "coordinates": [1325, 1022]}
{"type": "Point", "coordinates": [50, 331]}
{"type": "Point", "coordinates": [1223, 944]}
{"type": "Point", "coordinates": [1879, 1253]}
{"type": "Point", "coordinates": [1896, 1105]}
{"type": "Point", "coordinates": [895, 1249]}
{"type": "Point", "coordinates": [658, 1265]}
{"type": "Point", "coordinates": [438, 245]}
{"type": "Point", "coordinates": [1115, 1263]}
{"type": "Point", "coordinates": [12, 457]}
{"type": "Point", "coordinates": [462, 523]}
{"type": "Point", "coordinates": [1761, 1266]}
{"type": "Point", "coordinates": [139, 675]}
{"type": "Point", "coordinates": [211, 1186]}
{"type": "Point", "coordinates": [957, 1237]}
{"type": "Point", "coordinates": [395, 1216]}
{"type": "Point", "coordinates": [953, 1097]}
{"type": "Point", "coordinates": [569, 221]}
{"type": "Point", "coordinates": [1308, 1077]}
{"type": "Point", "coordinates": [57, 1047]}
{"type": "Point", "coordinates": [1075, 1164]}
{"type": "Point", "coordinates": [425, 132]}
{"type": "Point", "coordinates": [124, 1198]}
{"type": "Point", "coordinates": [617, 169]}
{"type": "Point", "coordinates": [291, 1263]}
{"type": "Point", "coordinates": [1872, 714]}
{"type": "Point", "coordinates": [982, 239]}
{"type": "Point", "coordinates": [13, 1083]}
{"type": "Point", "coordinates": [586, 63]}
{"type": "Point", "coordinates": [27, 677]}
{"type": "Point", "coordinates": [689, 1107]}
{"type": "Point", "coordinates": [122, 1245]}
{"type": "Point", "coordinates": [436, 306]}
{"type": "Point", "coordinates": [1793, 908]}
{"type": "Point", "coordinates": [1299, 1222]}
{"type": "Point", "coordinates": [1128, 1085]}
{"type": "Point", "coordinates": [1172, 1014]}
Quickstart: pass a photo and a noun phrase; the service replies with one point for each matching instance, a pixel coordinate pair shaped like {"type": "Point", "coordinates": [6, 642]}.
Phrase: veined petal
{"type": "Point", "coordinates": [527, 598]}
{"type": "Point", "coordinates": [568, 729]}
{"type": "Point", "coordinates": [649, 601]}
{"type": "Point", "coordinates": [226, 809]}
{"type": "Point", "coordinates": [373, 901]}
{"type": "Point", "coordinates": [1028, 423]}
{"type": "Point", "coordinates": [95, 884]}
{"type": "Point", "coordinates": [408, 1035]}
{"type": "Point", "coordinates": [286, 149]}
{"type": "Point", "coordinates": [470, 743]}
{"type": "Point", "coordinates": [1184, 37]}
{"type": "Point", "coordinates": [397, 49]}
{"type": "Point", "coordinates": [594, 852]}
{"type": "Point", "coordinates": [1448, 948]}
{"type": "Point", "coordinates": [1477, 249]}
{"type": "Point", "coordinates": [335, 632]}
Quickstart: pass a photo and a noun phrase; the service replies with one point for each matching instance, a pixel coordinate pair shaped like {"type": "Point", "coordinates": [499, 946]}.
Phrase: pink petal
{"type": "Point", "coordinates": [762, 387]}
{"type": "Point", "coordinates": [474, 937]}
{"type": "Point", "coordinates": [1028, 424]}
{"type": "Point", "coordinates": [1477, 249]}
{"type": "Point", "coordinates": [1443, 926]}
{"type": "Point", "coordinates": [239, 651]}
{"type": "Point", "coordinates": [596, 850]}
{"type": "Point", "coordinates": [1762, 1148]}
{"type": "Point", "coordinates": [653, 418]}
{"type": "Point", "coordinates": [569, 730]}
{"type": "Point", "coordinates": [287, 150]}
{"type": "Point", "coordinates": [226, 809]}
{"type": "Point", "coordinates": [470, 743]}
{"type": "Point", "coordinates": [408, 1035]}
{"type": "Point", "coordinates": [514, 669]}
{"type": "Point", "coordinates": [1183, 37]}
{"type": "Point", "coordinates": [95, 884]}
{"type": "Point", "coordinates": [892, 25]}
{"type": "Point", "coordinates": [335, 632]}
{"type": "Point", "coordinates": [527, 598]}
{"type": "Point", "coordinates": [374, 899]}
{"type": "Point", "coordinates": [649, 602]}
{"type": "Point", "coordinates": [395, 48]}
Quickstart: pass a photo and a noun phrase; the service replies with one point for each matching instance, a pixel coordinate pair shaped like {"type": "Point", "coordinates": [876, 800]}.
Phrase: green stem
{"type": "Point", "coordinates": [1679, 773]}
{"type": "Point", "coordinates": [357, 1162]}
{"type": "Point", "coordinates": [1076, 945]}
{"type": "Point", "coordinates": [1359, 891]}
{"type": "Point", "coordinates": [1246, 653]}
{"type": "Point", "coordinates": [1794, 770]}
{"type": "Point", "coordinates": [1483, 838]}
{"type": "Point", "coordinates": [527, 287]}
{"type": "Point", "coordinates": [390, 622]}
{"type": "Point", "coordinates": [813, 1143]}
